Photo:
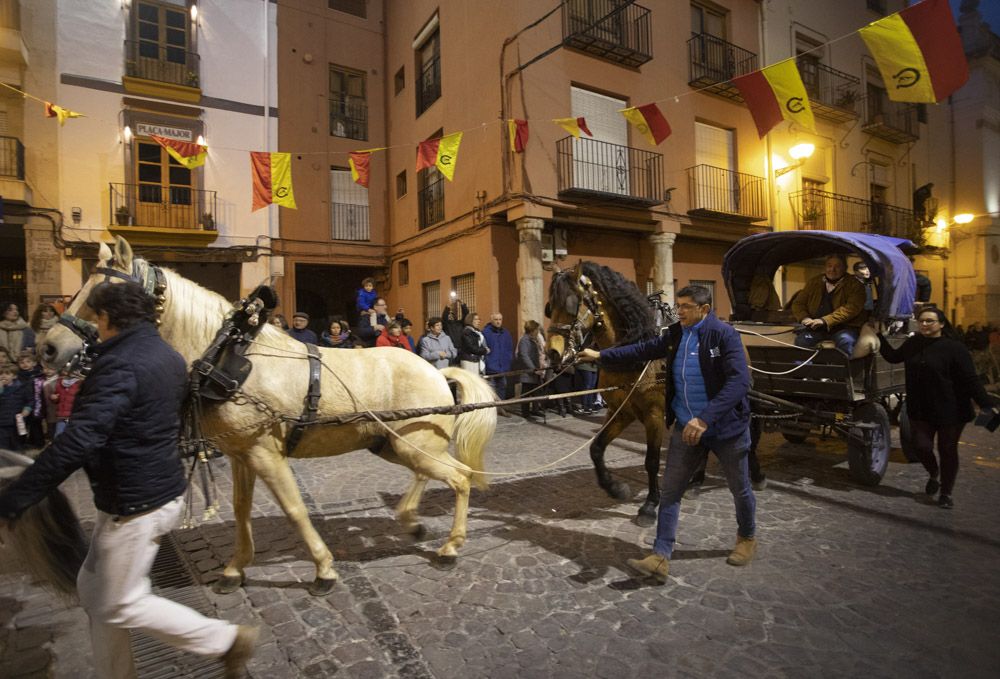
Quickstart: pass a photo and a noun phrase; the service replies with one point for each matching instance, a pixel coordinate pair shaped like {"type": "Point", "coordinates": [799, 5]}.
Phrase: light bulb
{"type": "Point", "coordinates": [801, 151]}
{"type": "Point", "coordinates": [964, 218]}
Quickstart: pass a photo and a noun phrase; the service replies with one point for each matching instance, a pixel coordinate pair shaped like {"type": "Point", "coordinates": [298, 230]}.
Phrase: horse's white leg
{"type": "Point", "coordinates": [233, 575]}
{"type": "Point", "coordinates": [273, 470]}
{"type": "Point", "coordinates": [406, 510]}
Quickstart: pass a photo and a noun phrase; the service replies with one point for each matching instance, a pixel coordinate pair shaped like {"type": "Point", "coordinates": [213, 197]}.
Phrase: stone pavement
{"type": "Point", "coordinates": [848, 581]}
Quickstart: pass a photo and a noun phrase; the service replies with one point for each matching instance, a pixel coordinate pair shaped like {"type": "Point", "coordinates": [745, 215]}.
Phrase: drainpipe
{"type": "Point", "coordinates": [275, 268]}
{"type": "Point", "coordinates": [768, 167]}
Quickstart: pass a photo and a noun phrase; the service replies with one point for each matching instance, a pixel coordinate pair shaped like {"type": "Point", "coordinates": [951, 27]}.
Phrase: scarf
{"type": "Point", "coordinates": [12, 337]}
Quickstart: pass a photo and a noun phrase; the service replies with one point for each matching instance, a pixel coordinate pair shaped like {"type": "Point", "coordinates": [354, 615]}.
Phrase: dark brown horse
{"type": "Point", "coordinates": [591, 304]}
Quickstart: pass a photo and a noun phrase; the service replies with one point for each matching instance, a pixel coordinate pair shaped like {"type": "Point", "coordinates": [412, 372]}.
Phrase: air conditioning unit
{"type": "Point", "coordinates": [548, 251]}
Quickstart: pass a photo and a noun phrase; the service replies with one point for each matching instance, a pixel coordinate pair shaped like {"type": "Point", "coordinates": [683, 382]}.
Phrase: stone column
{"type": "Point", "coordinates": [43, 263]}
{"type": "Point", "coordinates": [663, 263]}
{"type": "Point", "coordinates": [529, 271]}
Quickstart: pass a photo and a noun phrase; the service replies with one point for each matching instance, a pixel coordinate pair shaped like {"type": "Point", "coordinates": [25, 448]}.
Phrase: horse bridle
{"type": "Point", "coordinates": [154, 283]}
{"type": "Point", "coordinates": [589, 317]}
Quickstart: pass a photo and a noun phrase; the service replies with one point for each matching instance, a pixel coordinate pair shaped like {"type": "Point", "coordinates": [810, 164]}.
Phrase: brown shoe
{"type": "Point", "coordinates": [240, 652]}
{"type": "Point", "coordinates": [743, 553]}
{"type": "Point", "coordinates": [655, 565]}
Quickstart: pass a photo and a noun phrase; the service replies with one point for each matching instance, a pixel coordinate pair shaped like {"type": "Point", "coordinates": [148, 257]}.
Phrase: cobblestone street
{"type": "Point", "coordinates": [848, 581]}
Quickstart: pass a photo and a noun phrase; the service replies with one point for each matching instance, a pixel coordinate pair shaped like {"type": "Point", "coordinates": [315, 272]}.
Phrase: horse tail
{"type": "Point", "coordinates": [47, 537]}
{"type": "Point", "coordinates": [474, 429]}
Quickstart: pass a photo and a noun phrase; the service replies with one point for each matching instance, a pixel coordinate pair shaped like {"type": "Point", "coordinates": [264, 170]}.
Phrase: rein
{"type": "Point", "coordinates": [589, 319]}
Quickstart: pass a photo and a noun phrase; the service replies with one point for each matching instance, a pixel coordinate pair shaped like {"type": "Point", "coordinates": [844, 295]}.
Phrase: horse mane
{"type": "Point", "coordinates": [633, 315]}
{"type": "Point", "coordinates": [195, 314]}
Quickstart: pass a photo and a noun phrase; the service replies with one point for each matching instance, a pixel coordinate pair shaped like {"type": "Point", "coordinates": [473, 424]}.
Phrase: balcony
{"type": "Point", "coordinates": [827, 211]}
{"type": "Point", "coordinates": [894, 122]}
{"type": "Point", "coordinates": [833, 94]}
{"type": "Point", "coordinates": [13, 188]}
{"type": "Point", "coordinates": [599, 170]}
{"type": "Point", "coordinates": [348, 116]}
{"type": "Point", "coordinates": [430, 200]}
{"type": "Point", "coordinates": [715, 62]}
{"type": "Point", "coordinates": [350, 222]}
{"type": "Point", "coordinates": [161, 71]}
{"type": "Point", "coordinates": [152, 214]}
{"type": "Point", "coordinates": [613, 30]}
{"type": "Point", "coordinates": [717, 192]}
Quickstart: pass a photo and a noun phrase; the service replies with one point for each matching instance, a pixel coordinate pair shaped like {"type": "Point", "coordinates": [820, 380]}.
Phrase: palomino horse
{"type": "Point", "coordinates": [593, 304]}
{"type": "Point", "coordinates": [370, 379]}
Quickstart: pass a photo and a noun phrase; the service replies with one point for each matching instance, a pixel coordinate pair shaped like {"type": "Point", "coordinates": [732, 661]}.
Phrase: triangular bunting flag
{"type": "Point", "coordinates": [360, 163]}
{"type": "Point", "coordinates": [573, 125]}
{"type": "Point", "coordinates": [441, 153]}
{"type": "Point", "coordinates": [187, 153]}
{"type": "Point", "coordinates": [649, 122]}
{"type": "Point", "coordinates": [53, 111]}
{"type": "Point", "coordinates": [517, 129]}
{"type": "Point", "coordinates": [776, 93]}
{"type": "Point", "coordinates": [919, 52]}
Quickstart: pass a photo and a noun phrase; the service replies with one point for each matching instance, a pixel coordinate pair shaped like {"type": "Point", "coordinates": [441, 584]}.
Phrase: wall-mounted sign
{"type": "Point", "coordinates": [148, 130]}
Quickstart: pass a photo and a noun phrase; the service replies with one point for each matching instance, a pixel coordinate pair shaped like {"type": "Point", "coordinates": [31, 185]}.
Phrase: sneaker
{"type": "Point", "coordinates": [758, 483]}
{"type": "Point", "coordinates": [239, 654]}
{"type": "Point", "coordinates": [932, 487]}
{"type": "Point", "coordinates": [945, 502]}
{"type": "Point", "coordinates": [653, 565]}
{"type": "Point", "coordinates": [744, 551]}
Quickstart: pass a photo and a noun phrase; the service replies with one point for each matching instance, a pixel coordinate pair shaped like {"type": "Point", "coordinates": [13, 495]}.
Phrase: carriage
{"type": "Point", "coordinates": [797, 391]}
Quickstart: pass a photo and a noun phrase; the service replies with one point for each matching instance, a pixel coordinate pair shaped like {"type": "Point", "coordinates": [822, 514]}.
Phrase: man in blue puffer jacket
{"type": "Point", "coordinates": [123, 432]}
{"type": "Point", "coordinates": [707, 398]}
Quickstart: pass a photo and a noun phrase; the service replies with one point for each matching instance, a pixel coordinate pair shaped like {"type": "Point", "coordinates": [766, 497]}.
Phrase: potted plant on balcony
{"type": "Point", "coordinates": [811, 215]}
{"type": "Point", "coordinates": [122, 215]}
{"type": "Point", "coordinates": [208, 221]}
{"type": "Point", "coordinates": [847, 98]}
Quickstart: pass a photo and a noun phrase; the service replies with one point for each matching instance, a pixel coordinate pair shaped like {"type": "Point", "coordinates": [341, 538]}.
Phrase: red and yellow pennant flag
{"type": "Point", "coordinates": [517, 130]}
{"type": "Point", "coordinates": [441, 153]}
{"type": "Point", "coordinates": [53, 111]}
{"type": "Point", "coordinates": [649, 122]}
{"type": "Point", "coordinates": [360, 166]}
{"type": "Point", "coordinates": [574, 126]}
{"type": "Point", "coordinates": [774, 94]}
{"type": "Point", "coordinates": [272, 179]}
{"type": "Point", "coordinates": [187, 153]}
{"type": "Point", "coordinates": [918, 52]}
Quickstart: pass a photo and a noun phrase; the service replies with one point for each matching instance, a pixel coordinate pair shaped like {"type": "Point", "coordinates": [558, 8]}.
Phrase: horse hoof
{"type": "Point", "coordinates": [322, 586]}
{"type": "Point", "coordinates": [645, 520]}
{"type": "Point", "coordinates": [620, 490]}
{"type": "Point", "coordinates": [227, 584]}
{"type": "Point", "coordinates": [418, 532]}
{"type": "Point", "coordinates": [444, 563]}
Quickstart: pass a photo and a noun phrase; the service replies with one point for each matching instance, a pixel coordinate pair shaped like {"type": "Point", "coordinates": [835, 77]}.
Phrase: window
{"type": "Point", "coordinates": [430, 193]}
{"type": "Point", "coordinates": [401, 184]}
{"type": "Point", "coordinates": [429, 72]}
{"type": "Point", "coordinates": [403, 271]}
{"type": "Point", "coordinates": [464, 287]}
{"type": "Point", "coordinates": [356, 7]}
{"type": "Point", "coordinates": [598, 166]}
{"type": "Point", "coordinates": [706, 284]}
{"type": "Point", "coordinates": [348, 207]}
{"type": "Point", "coordinates": [877, 101]}
{"type": "Point", "coordinates": [879, 194]}
{"type": "Point", "coordinates": [432, 300]}
{"type": "Point", "coordinates": [709, 49]}
{"type": "Point", "coordinates": [399, 80]}
{"type": "Point", "coordinates": [813, 205]}
{"type": "Point", "coordinates": [877, 6]}
{"type": "Point", "coordinates": [160, 45]}
{"type": "Point", "coordinates": [809, 57]}
{"type": "Point", "coordinates": [708, 21]}
{"type": "Point", "coordinates": [165, 188]}
{"type": "Point", "coordinates": [348, 108]}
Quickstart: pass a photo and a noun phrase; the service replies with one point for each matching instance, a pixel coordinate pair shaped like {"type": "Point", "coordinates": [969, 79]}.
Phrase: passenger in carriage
{"type": "Point", "coordinates": [864, 276]}
{"type": "Point", "coordinates": [831, 307]}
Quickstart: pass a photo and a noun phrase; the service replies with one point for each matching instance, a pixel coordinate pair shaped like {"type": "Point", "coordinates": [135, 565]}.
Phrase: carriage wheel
{"type": "Point", "coordinates": [906, 435]}
{"type": "Point", "coordinates": [869, 459]}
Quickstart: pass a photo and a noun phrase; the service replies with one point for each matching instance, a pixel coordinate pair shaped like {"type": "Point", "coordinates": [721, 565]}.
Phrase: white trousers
{"type": "Point", "coordinates": [115, 592]}
{"type": "Point", "coordinates": [470, 366]}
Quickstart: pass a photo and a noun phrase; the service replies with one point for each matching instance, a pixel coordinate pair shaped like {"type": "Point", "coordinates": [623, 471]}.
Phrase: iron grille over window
{"type": "Point", "coordinates": [429, 72]}
{"type": "Point", "coordinates": [348, 207]}
{"type": "Point", "coordinates": [464, 287]}
{"type": "Point", "coordinates": [615, 30]}
{"type": "Point", "coordinates": [430, 197]}
{"type": "Point", "coordinates": [348, 108]}
{"type": "Point", "coordinates": [598, 168]}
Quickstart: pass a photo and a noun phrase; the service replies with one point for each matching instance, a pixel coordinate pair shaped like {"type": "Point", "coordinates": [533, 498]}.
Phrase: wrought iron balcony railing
{"type": "Point", "coordinates": [350, 222]}
{"type": "Point", "coordinates": [827, 211]}
{"type": "Point", "coordinates": [716, 191]}
{"type": "Point", "coordinates": [11, 158]}
{"type": "Point", "coordinates": [158, 206]}
{"type": "Point", "coordinates": [162, 63]}
{"type": "Point", "coordinates": [615, 30]}
{"type": "Point", "coordinates": [892, 121]}
{"type": "Point", "coordinates": [715, 62]}
{"type": "Point", "coordinates": [429, 85]}
{"type": "Point", "coordinates": [833, 94]}
{"type": "Point", "coordinates": [430, 201]}
{"type": "Point", "coordinates": [348, 116]}
{"type": "Point", "coordinates": [598, 169]}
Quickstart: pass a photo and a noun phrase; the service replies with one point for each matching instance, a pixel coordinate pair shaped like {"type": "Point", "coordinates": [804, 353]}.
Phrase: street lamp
{"type": "Point", "coordinates": [964, 218]}
{"type": "Point", "coordinates": [800, 153]}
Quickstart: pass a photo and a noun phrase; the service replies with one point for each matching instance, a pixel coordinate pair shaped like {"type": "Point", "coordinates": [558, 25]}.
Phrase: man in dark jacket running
{"type": "Point", "coordinates": [707, 398]}
{"type": "Point", "coordinates": [123, 432]}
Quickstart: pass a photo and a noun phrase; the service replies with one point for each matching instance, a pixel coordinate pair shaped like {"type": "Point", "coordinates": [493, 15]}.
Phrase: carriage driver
{"type": "Point", "coordinates": [831, 307]}
{"type": "Point", "coordinates": [124, 432]}
{"type": "Point", "coordinates": [707, 398]}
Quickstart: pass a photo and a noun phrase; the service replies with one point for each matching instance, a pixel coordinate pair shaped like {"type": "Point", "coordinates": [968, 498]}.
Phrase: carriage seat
{"type": "Point", "coordinates": [867, 344]}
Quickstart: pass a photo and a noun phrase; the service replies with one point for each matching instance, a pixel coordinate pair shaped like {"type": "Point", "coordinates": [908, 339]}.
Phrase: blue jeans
{"type": "Point", "coordinates": [844, 338]}
{"type": "Point", "coordinates": [499, 385]}
{"type": "Point", "coordinates": [585, 380]}
{"type": "Point", "coordinates": [682, 461]}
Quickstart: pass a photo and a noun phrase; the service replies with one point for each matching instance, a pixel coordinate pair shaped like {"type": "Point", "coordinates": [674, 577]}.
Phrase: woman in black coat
{"type": "Point", "coordinates": [941, 384]}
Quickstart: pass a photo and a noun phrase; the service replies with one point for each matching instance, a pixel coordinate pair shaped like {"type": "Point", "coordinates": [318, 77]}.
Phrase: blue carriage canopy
{"type": "Point", "coordinates": [762, 254]}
